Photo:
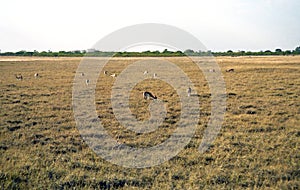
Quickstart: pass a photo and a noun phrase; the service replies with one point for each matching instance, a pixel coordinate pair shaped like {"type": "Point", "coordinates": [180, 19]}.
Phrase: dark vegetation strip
{"type": "Point", "coordinates": [165, 53]}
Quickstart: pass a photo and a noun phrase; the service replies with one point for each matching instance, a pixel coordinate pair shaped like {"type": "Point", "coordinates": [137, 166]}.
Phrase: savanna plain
{"type": "Point", "coordinates": [256, 148]}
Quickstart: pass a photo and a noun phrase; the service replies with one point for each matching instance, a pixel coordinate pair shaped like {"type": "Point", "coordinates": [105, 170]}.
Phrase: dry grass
{"type": "Point", "coordinates": [257, 147]}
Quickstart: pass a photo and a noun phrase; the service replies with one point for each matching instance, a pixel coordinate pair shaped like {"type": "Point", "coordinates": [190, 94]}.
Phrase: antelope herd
{"type": "Point", "coordinates": [147, 95]}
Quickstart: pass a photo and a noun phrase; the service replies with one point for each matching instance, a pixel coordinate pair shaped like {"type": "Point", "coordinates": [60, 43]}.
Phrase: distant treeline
{"type": "Point", "coordinates": [165, 53]}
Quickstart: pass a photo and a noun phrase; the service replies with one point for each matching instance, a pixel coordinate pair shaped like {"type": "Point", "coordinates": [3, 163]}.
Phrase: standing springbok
{"type": "Point", "coordinates": [87, 81]}
{"type": "Point", "coordinates": [19, 77]}
{"type": "Point", "coordinates": [154, 75]}
{"type": "Point", "coordinates": [148, 95]}
{"type": "Point", "coordinates": [189, 91]}
{"type": "Point", "coordinates": [105, 72]}
{"type": "Point", "coordinates": [36, 75]}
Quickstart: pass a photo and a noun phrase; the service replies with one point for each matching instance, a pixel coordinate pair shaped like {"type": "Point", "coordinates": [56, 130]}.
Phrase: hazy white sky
{"type": "Point", "coordinates": [219, 24]}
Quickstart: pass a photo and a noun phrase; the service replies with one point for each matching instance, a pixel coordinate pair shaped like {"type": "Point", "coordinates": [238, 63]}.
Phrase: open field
{"type": "Point", "coordinates": [257, 147]}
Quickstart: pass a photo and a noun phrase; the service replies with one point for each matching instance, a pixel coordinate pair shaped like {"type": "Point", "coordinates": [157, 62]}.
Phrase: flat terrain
{"type": "Point", "coordinates": [257, 147]}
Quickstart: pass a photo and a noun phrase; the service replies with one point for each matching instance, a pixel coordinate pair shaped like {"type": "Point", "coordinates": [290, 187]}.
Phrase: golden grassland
{"type": "Point", "coordinates": [257, 147]}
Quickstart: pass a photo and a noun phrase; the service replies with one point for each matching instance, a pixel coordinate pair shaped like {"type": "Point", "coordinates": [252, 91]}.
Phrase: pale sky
{"type": "Point", "coordinates": [220, 25]}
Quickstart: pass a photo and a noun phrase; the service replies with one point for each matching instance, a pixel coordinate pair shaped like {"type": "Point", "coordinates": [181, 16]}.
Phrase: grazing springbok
{"type": "Point", "coordinates": [87, 81]}
{"type": "Point", "coordinates": [36, 75]}
{"type": "Point", "coordinates": [230, 70]}
{"type": "Point", "coordinates": [19, 77]}
{"type": "Point", "coordinates": [189, 91]}
{"type": "Point", "coordinates": [145, 72]}
{"type": "Point", "coordinates": [149, 96]}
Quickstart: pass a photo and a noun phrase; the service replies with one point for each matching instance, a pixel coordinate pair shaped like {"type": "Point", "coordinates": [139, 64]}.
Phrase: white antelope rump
{"type": "Point", "coordinates": [105, 72]}
{"type": "Point", "coordinates": [149, 96]}
{"type": "Point", "coordinates": [155, 75]}
{"type": "Point", "coordinates": [189, 91]}
{"type": "Point", "coordinates": [19, 77]}
{"type": "Point", "coordinates": [36, 75]}
{"type": "Point", "coordinates": [113, 75]}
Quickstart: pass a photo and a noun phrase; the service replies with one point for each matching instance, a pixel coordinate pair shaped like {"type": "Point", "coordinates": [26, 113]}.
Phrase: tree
{"type": "Point", "coordinates": [267, 52]}
{"type": "Point", "coordinates": [278, 51]}
{"type": "Point", "coordinates": [20, 53]}
{"type": "Point", "coordinates": [297, 50]}
{"type": "Point", "coordinates": [287, 52]}
{"type": "Point", "coordinates": [189, 52]}
{"type": "Point", "coordinates": [166, 51]}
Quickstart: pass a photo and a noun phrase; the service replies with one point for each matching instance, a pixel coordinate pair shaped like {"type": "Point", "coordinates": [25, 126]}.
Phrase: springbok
{"type": "Point", "coordinates": [145, 72]}
{"type": "Point", "coordinates": [113, 75]}
{"type": "Point", "coordinates": [105, 72]}
{"type": "Point", "coordinates": [230, 70]}
{"type": "Point", "coordinates": [87, 81]}
{"type": "Point", "coordinates": [19, 77]}
{"type": "Point", "coordinates": [189, 91]}
{"type": "Point", "coordinates": [154, 75]}
{"type": "Point", "coordinates": [36, 75]}
{"type": "Point", "coordinates": [148, 95]}
{"type": "Point", "coordinates": [82, 74]}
